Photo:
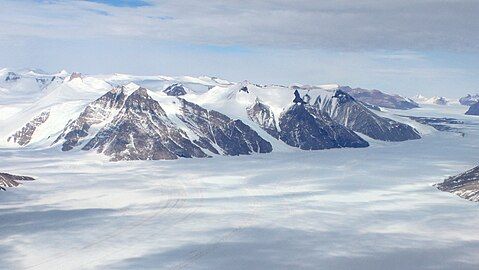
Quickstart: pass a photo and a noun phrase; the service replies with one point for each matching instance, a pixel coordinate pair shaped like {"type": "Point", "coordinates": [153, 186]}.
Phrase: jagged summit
{"type": "Point", "coordinates": [307, 128]}
{"type": "Point", "coordinates": [297, 98]}
{"type": "Point", "coordinates": [176, 89]}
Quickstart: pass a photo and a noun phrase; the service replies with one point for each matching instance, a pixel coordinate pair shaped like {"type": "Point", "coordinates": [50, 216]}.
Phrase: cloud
{"type": "Point", "coordinates": [339, 24]}
{"type": "Point", "coordinates": [122, 3]}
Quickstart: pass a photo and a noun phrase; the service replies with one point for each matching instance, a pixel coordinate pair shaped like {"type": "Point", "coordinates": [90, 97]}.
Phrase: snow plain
{"type": "Point", "coordinates": [369, 208]}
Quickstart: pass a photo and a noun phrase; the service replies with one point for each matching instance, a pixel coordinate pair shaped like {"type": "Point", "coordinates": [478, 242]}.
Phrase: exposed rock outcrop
{"type": "Point", "coordinates": [262, 115]}
{"type": "Point", "coordinates": [9, 180]}
{"type": "Point", "coordinates": [216, 130]}
{"type": "Point", "coordinates": [12, 76]}
{"type": "Point", "coordinates": [75, 75]}
{"type": "Point", "coordinates": [307, 128]}
{"type": "Point", "coordinates": [464, 185]}
{"type": "Point", "coordinates": [175, 89]}
{"type": "Point", "coordinates": [24, 135]}
{"type": "Point", "coordinates": [96, 112]}
{"type": "Point", "coordinates": [474, 109]}
{"type": "Point", "coordinates": [142, 131]}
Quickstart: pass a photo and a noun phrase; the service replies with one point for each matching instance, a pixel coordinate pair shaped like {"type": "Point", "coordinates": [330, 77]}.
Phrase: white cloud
{"type": "Point", "coordinates": [398, 46]}
{"type": "Point", "coordinates": [339, 24]}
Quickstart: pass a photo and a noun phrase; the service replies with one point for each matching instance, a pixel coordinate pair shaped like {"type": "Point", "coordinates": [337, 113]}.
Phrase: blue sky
{"type": "Point", "coordinates": [411, 47]}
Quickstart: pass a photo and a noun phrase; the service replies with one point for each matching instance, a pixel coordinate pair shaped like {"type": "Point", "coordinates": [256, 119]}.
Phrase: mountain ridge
{"type": "Point", "coordinates": [121, 117]}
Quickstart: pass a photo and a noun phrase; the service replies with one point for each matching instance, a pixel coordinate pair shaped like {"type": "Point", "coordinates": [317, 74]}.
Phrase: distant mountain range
{"type": "Point", "coordinates": [380, 99]}
{"type": "Point", "coordinates": [128, 117]}
{"type": "Point", "coordinates": [469, 99]}
{"type": "Point", "coordinates": [431, 100]}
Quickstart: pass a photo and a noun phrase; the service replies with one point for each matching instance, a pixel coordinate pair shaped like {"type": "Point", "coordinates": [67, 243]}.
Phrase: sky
{"type": "Point", "coordinates": [406, 47]}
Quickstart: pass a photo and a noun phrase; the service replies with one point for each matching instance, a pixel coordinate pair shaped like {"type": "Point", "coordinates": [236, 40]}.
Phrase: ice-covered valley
{"type": "Point", "coordinates": [342, 208]}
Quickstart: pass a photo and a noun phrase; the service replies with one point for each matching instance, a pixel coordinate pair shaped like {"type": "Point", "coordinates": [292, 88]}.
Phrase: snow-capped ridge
{"type": "Point", "coordinates": [114, 117]}
{"type": "Point", "coordinates": [435, 100]}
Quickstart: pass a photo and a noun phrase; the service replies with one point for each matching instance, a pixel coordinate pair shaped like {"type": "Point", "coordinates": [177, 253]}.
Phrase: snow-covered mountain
{"type": "Point", "coordinates": [380, 99]}
{"type": "Point", "coordinates": [27, 83]}
{"type": "Point", "coordinates": [346, 110]}
{"type": "Point", "coordinates": [158, 117]}
{"type": "Point", "coordinates": [176, 89]}
{"type": "Point", "coordinates": [469, 99]}
{"type": "Point", "coordinates": [133, 125]}
{"type": "Point", "coordinates": [430, 100]}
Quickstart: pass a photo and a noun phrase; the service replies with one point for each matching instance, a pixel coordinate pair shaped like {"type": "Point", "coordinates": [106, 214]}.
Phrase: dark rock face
{"type": "Point", "coordinates": [464, 185]}
{"type": "Point", "coordinates": [345, 110]}
{"type": "Point", "coordinates": [12, 76]}
{"type": "Point", "coordinates": [307, 128]}
{"type": "Point", "coordinates": [262, 115]}
{"type": "Point", "coordinates": [175, 90]}
{"type": "Point", "coordinates": [95, 113]}
{"type": "Point", "coordinates": [378, 98]}
{"type": "Point", "coordinates": [142, 131]}
{"type": "Point", "coordinates": [297, 98]}
{"type": "Point", "coordinates": [474, 109]}
{"type": "Point", "coordinates": [24, 135]}
{"type": "Point", "coordinates": [9, 180]}
{"type": "Point", "coordinates": [469, 100]}
{"type": "Point", "coordinates": [232, 137]}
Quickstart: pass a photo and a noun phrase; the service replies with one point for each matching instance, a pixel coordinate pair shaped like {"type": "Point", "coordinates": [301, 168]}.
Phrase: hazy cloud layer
{"type": "Point", "coordinates": [428, 47]}
{"type": "Point", "coordinates": [340, 24]}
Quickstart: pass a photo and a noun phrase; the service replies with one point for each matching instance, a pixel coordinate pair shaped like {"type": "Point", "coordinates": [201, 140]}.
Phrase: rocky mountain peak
{"type": "Point", "coordinates": [469, 99]}
{"type": "Point", "coordinates": [307, 128]}
{"type": "Point", "coordinates": [140, 101]}
{"type": "Point", "coordinates": [342, 96]}
{"type": "Point", "coordinates": [176, 89]}
{"type": "Point", "coordinates": [12, 76]}
{"type": "Point", "coordinates": [75, 75]}
{"type": "Point", "coordinates": [354, 115]}
{"type": "Point", "coordinates": [262, 114]}
{"type": "Point", "coordinates": [297, 98]}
